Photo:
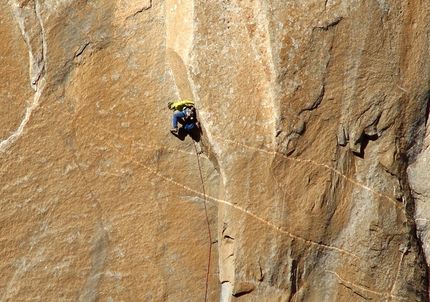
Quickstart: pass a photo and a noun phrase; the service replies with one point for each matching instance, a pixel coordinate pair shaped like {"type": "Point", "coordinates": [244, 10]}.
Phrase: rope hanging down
{"type": "Point", "coordinates": [207, 221]}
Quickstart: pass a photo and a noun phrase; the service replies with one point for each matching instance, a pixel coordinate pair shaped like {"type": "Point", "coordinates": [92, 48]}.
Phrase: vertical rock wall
{"type": "Point", "coordinates": [418, 173]}
{"type": "Point", "coordinates": [323, 106]}
{"type": "Point", "coordinates": [311, 113]}
{"type": "Point", "coordinates": [99, 201]}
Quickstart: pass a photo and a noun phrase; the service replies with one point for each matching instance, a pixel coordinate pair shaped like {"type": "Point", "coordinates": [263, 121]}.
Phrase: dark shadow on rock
{"type": "Point", "coordinates": [364, 141]}
{"type": "Point", "coordinates": [195, 134]}
{"type": "Point", "coordinates": [428, 107]}
{"type": "Point", "coordinates": [182, 133]}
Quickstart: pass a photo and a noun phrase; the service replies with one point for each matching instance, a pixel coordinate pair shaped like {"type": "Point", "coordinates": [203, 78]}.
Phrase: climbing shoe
{"type": "Point", "coordinates": [174, 130]}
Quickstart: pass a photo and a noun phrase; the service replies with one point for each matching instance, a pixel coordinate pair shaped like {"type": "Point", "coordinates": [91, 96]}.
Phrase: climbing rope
{"type": "Point", "coordinates": [207, 221]}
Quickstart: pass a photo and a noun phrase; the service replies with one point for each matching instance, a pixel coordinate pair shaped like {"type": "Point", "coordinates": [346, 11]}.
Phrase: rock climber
{"type": "Point", "coordinates": [186, 115]}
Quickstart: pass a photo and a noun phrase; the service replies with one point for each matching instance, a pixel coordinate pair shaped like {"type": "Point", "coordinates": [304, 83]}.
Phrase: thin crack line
{"type": "Point", "coordinates": [145, 8]}
{"type": "Point", "coordinates": [354, 287]}
{"type": "Point", "coordinates": [275, 153]}
{"type": "Point", "coordinates": [270, 153]}
{"type": "Point", "coordinates": [270, 224]}
{"type": "Point", "coordinates": [398, 274]}
{"type": "Point", "coordinates": [278, 154]}
{"type": "Point", "coordinates": [42, 69]}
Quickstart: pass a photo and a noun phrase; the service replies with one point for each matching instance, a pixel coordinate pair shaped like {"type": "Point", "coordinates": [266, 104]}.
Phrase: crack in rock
{"type": "Point", "coordinates": [31, 26]}
{"type": "Point", "coordinates": [141, 10]}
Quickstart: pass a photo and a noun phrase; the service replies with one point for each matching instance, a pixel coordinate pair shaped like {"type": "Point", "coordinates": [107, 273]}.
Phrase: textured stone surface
{"type": "Point", "coordinates": [419, 177]}
{"type": "Point", "coordinates": [311, 113]}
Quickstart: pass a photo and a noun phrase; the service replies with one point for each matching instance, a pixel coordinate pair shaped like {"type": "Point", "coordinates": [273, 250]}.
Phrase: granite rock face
{"type": "Point", "coordinates": [419, 173]}
{"type": "Point", "coordinates": [313, 117]}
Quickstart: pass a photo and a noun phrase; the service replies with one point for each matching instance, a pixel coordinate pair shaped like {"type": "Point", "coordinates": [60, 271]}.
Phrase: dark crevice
{"type": "Point", "coordinates": [356, 292]}
{"type": "Point", "coordinates": [293, 277]}
{"type": "Point", "coordinates": [414, 236]}
{"type": "Point", "coordinates": [418, 129]}
{"type": "Point", "coordinates": [81, 50]}
{"type": "Point", "coordinates": [145, 8]}
{"type": "Point", "coordinates": [316, 103]}
{"type": "Point", "coordinates": [364, 141]}
{"type": "Point", "coordinates": [330, 25]}
{"type": "Point", "coordinates": [428, 107]}
{"type": "Point", "coordinates": [242, 293]}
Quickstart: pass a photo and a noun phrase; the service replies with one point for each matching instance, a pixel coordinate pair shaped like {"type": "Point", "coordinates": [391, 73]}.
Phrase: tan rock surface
{"type": "Point", "coordinates": [311, 113]}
